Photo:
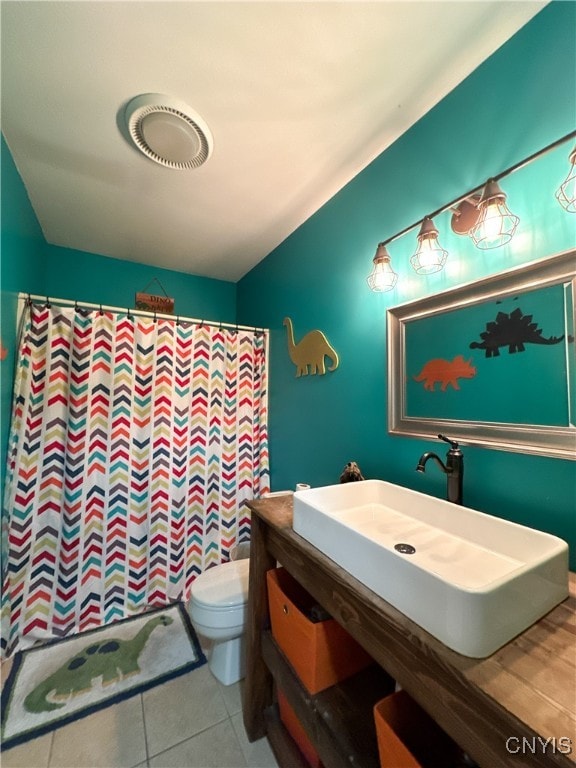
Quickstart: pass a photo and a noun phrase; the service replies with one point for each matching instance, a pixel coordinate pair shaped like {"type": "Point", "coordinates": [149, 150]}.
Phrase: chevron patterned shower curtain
{"type": "Point", "coordinates": [133, 446]}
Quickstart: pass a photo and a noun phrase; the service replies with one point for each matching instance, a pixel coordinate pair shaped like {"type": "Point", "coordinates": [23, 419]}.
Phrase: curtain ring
{"type": "Point", "coordinates": [101, 310]}
{"type": "Point", "coordinates": [76, 306]}
{"type": "Point", "coordinates": [154, 316]}
{"type": "Point", "coordinates": [177, 319]}
{"type": "Point", "coordinates": [48, 305]}
{"type": "Point", "coordinates": [128, 315]}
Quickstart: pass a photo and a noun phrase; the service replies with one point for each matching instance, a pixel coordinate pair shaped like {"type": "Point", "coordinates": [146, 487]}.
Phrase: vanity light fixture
{"type": "Point", "coordinates": [566, 192]}
{"type": "Point", "coordinates": [485, 217]}
{"type": "Point", "coordinates": [496, 225]}
{"type": "Point", "coordinates": [465, 215]}
{"type": "Point", "coordinates": [482, 217]}
{"type": "Point", "coordinates": [430, 256]}
{"type": "Point", "coordinates": [382, 278]}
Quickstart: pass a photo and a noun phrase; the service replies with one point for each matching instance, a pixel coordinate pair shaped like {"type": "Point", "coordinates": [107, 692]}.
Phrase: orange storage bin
{"type": "Point", "coordinates": [296, 730]}
{"type": "Point", "coordinates": [321, 653]}
{"type": "Point", "coordinates": [409, 738]}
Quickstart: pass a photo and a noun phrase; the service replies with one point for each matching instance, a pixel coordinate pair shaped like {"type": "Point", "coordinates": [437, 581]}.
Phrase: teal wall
{"type": "Point", "coordinates": [21, 264]}
{"type": "Point", "coordinates": [72, 274]}
{"type": "Point", "coordinates": [517, 102]}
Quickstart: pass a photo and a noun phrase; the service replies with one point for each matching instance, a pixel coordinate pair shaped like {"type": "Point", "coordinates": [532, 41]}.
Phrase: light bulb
{"type": "Point", "coordinates": [492, 222]}
{"type": "Point", "coordinates": [496, 225]}
{"type": "Point", "coordinates": [430, 256]}
{"type": "Point", "coordinates": [382, 278]}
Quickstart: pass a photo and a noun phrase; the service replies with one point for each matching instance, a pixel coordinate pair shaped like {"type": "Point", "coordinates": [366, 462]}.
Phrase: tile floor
{"type": "Point", "coordinates": [190, 722]}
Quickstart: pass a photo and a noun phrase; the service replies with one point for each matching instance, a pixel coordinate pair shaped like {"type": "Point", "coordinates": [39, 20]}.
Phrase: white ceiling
{"type": "Point", "coordinates": [299, 97]}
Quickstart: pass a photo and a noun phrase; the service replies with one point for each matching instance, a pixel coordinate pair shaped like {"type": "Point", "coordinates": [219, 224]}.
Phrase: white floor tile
{"type": "Point", "coordinates": [216, 747]}
{"type": "Point", "coordinates": [31, 754]}
{"type": "Point", "coordinates": [182, 708]}
{"type": "Point", "coordinates": [258, 754]}
{"type": "Point", "coordinates": [111, 738]}
{"type": "Point", "coordinates": [232, 695]}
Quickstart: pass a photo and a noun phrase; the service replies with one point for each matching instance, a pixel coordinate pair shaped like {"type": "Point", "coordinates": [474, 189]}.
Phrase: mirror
{"type": "Point", "coordinates": [491, 362]}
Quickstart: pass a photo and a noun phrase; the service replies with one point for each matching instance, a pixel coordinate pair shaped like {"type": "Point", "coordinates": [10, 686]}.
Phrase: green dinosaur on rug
{"type": "Point", "coordinates": [112, 659]}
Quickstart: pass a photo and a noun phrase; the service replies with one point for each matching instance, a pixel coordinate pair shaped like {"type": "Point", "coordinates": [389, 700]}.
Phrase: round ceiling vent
{"type": "Point", "coordinates": [168, 131]}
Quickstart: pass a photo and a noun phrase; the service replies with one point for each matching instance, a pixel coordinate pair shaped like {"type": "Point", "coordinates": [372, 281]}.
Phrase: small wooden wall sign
{"type": "Point", "coordinates": [151, 303]}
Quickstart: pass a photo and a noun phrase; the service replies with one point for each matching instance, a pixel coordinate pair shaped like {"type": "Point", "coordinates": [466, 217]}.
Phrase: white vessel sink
{"type": "Point", "coordinates": [474, 581]}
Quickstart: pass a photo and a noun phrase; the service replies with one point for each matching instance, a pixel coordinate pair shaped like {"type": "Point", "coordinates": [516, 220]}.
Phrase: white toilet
{"type": "Point", "coordinates": [218, 609]}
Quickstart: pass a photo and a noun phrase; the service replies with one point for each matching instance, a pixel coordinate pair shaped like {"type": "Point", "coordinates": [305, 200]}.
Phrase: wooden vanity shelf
{"type": "Point", "coordinates": [495, 709]}
{"type": "Point", "coordinates": [339, 720]}
{"type": "Point", "coordinates": [281, 741]}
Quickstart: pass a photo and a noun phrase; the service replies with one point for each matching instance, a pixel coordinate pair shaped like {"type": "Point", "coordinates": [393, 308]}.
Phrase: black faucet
{"type": "Point", "coordinates": [454, 468]}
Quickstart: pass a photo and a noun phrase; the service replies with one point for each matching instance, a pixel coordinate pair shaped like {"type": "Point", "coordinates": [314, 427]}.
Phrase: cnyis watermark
{"type": "Point", "coordinates": [539, 745]}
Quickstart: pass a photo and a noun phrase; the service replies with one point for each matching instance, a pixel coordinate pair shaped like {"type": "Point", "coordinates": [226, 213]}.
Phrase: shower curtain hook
{"type": "Point", "coordinates": [101, 310]}
{"type": "Point", "coordinates": [48, 305]}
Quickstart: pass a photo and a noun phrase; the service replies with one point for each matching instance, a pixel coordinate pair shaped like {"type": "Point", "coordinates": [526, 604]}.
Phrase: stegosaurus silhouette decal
{"type": "Point", "coordinates": [512, 331]}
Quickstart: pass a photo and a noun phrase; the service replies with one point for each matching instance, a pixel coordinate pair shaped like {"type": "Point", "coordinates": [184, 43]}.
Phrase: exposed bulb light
{"type": "Point", "coordinates": [382, 278]}
{"type": "Point", "coordinates": [485, 218]}
{"type": "Point", "coordinates": [430, 256]}
{"type": "Point", "coordinates": [496, 225]}
{"type": "Point", "coordinates": [566, 192]}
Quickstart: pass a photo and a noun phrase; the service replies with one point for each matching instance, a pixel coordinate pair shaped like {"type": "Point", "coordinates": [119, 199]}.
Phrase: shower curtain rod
{"type": "Point", "coordinates": [38, 299]}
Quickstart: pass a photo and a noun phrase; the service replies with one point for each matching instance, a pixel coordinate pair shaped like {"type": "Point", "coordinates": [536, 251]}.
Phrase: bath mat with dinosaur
{"type": "Point", "coordinates": [57, 683]}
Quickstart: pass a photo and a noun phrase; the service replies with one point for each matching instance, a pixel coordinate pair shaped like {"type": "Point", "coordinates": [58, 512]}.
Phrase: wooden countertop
{"type": "Point", "coordinates": [501, 709]}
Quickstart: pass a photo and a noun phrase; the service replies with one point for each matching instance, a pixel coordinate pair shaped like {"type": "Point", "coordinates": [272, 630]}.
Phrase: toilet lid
{"type": "Point", "coordinates": [223, 585]}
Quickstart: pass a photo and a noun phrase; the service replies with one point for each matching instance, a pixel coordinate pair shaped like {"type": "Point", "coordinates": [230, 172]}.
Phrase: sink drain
{"type": "Point", "coordinates": [405, 549]}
